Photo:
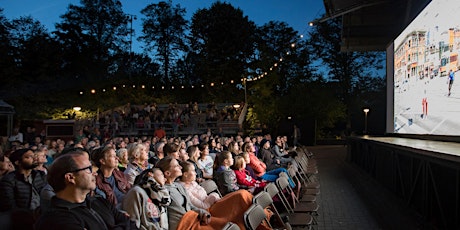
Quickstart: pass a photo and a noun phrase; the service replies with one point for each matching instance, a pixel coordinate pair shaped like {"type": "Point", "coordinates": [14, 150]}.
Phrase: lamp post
{"type": "Point", "coordinates": [131, 17]}
{"type": "Point", "coordinates": [366, 110]}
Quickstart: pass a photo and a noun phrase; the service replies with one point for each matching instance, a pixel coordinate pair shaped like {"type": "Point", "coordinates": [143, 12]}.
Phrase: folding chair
{"type": "Point", "coordinates": [297, 176]}
{"type": "Point", "coordinates": [298, 192]}
{"type": "Point", "coordinates": [294, 219]}
{"type": "Point", "coordinates": [231, 226]}
{"type": "Point", "coordinates": [295, 206]}
{"type": "Point", "coordinates": [263, 199]}
{"type": "Point", "coordinates": [210, 186]}
{"type": "Point", "coordinates": [254, 216]}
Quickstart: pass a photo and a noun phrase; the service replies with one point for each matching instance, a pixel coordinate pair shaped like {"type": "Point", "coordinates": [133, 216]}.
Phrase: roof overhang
{"type": "Point", "coordinates": [371, 25]}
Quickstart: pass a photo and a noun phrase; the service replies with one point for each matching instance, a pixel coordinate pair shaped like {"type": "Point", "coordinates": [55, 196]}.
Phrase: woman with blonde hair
{"type": "Point", "coordinates": [234, 148]}
{"type": "Point", "coordinates": [193, 154]}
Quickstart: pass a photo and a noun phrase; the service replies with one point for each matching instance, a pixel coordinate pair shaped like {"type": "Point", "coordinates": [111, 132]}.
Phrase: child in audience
{"type": "Point", "coordinates": [225, 177]}
{"type": "Point", "coordinates": [146, 202]}
{"type": "Point", "coordinates": [197, 194]}
{"type": "Point", "coordinates": [244, 179]}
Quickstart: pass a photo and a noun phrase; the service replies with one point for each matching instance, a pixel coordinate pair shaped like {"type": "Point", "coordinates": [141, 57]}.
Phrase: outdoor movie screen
{"type": "Point", "coordinates": [426, 68]}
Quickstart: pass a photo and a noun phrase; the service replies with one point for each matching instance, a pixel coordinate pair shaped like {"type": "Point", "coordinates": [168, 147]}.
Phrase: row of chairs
{"type": "Point", "coordinates": [292, 208]}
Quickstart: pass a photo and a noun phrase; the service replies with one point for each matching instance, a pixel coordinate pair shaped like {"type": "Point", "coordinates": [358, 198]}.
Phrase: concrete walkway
{"type": "Point", "coordinates": [350, 199]}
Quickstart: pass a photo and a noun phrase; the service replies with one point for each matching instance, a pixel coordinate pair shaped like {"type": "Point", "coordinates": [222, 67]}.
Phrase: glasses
{"type": "Point", "coordinates": [78, 170]}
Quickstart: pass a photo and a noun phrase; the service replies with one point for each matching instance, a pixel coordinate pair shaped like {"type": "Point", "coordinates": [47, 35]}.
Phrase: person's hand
{"type": "Point", "coordinates": [205, 218]}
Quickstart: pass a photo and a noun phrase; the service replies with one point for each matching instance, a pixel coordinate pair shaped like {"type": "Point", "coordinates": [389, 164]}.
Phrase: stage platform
{"type": "Point", "coordinates": [425, 174]}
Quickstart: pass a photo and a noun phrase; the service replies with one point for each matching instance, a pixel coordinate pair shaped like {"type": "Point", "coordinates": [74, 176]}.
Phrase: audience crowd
{"type": "Point", "coordinates": [145, 182]}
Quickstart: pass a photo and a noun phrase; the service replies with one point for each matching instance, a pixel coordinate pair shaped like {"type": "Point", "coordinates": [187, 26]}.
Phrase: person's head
{"type": "Point", "coordinates": [5, 165]}
{"type": "Point", "coordinates": [40, 155]}
{"type": "Point", "coordinates": [239, 162]}
{"type": "Point", "coordinates": [137, 153]}
{"type": "Point", "coordinates": [170, 168]}
{"type": "Point", "coordinates": [225, 159]}
{"type": "Point", "coordinates": [122, 155]}
{"type": "Point", "coordinates": [159, 176]}
{"type": "Point", "coordinates": [265, 144]}
{"type": "Point", "coordinates": [234, 147]}
{"type": "Point", "coordinates": [23, 159]}
{"type": "Point", "coordinates": [183, 155]}
{"type": "Point", "coordinates": [193, 152]}
{"type": "Point", "coordinates": [204, 149]}
{"type": "Point", "coordinates": [188, 172]}
{"type": "Point", "coordinates": [246, 157]}
{"type": "Point", "coordinates": [159, 148]}
{"type": "Point", "coordinates": [171, 149]}
{"type": "Point", "coordinates": [72, 170]}
{"type": "Point", "coordinates": [248, 147]}
{"type": "Point", "coordinates": [105, 158]}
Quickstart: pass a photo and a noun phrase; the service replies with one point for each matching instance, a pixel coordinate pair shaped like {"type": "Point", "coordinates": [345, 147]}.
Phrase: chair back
{"type": "Point", "coordinates": [271, 189]}
{"type": "Point", "coordinates": [231, 226]}
{"type": "Point", "coordinates": [254, 216]}
{"type": "Point", "coordinates": [263, 199]}
{"type": "Point", "coordinates": [210, 186]}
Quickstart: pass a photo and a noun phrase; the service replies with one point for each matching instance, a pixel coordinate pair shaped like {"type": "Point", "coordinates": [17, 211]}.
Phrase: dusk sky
{"type": "Point", "coordinates": [296, 13]}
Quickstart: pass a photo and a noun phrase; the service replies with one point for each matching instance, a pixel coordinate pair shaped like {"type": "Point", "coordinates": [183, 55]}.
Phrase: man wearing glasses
{"type": "Point", "coordinates": [72, 179]}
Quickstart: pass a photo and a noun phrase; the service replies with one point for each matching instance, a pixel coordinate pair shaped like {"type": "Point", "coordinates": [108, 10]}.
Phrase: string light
{"type": "Point", "coordinates": [249, 78]}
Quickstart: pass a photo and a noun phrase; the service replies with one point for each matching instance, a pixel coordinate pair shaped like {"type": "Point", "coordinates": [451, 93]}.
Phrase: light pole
{"type": "Point", "coordinates": [131, 17]}
{"type": "Point", "coordinates": [366, 110]}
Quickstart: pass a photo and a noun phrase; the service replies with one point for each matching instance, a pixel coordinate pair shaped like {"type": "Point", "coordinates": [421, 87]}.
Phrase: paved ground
{"type": "Point", "coordinates": [350, 199]}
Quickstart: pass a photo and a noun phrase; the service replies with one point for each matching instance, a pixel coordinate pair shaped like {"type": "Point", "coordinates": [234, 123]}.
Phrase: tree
{"type": "Point", "coordinates": [163, 32]}
{"type": "Point", "coordinates": [7, 61]}
{"type": "Point", "coordinates": [344, 68]}
{"type": "Point", "coordinates": [222, 40]}
{"type": "Point", "coordinates": [93, 34]}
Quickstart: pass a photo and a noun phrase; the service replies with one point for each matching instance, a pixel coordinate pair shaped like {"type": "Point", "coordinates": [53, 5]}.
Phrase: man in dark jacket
{"type": "Point", "coordinates": [21, 188]}
{"type": "Point", "coordinates": [72, 178]}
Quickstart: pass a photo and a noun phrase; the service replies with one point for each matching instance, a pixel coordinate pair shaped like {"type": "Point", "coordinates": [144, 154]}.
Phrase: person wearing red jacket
{"type": "Point", "coordinates": [259, 167]}
{"type": "Point", "coordinates": [243, 178]}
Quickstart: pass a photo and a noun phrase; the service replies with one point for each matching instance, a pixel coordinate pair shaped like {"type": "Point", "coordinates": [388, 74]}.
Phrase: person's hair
{"type": "Point", "coordinates": [62, 165]}
{"type": "Point", "coordinates": [121, 151]}
{"type": "Point", "coordinates": [170, 148]}
{"type": "Point", "coordinates": [185, 166]}
{"type": "Point", "coordinates": [223, 156]}
{"type": "Point", "coordinates": [165, 163]}
{"type": "Point", "coordinates": [246, 147]}
{"type": "Point", "coordinates": [202, 146]}
{"type": "Point", "coordinates": [231, 147]}
{"type": "Point", "coordinates": [191, 152]}
{"type": "Point", "coordinates": [244, 154]}
{"type": "Point", "coordinates": [160, 144]}
{"type": "Point", "coordinates": [100, 153]}
{"type": "Point", "coordinates": [143, 176]}
{"type": "Point", "coordinates": [239, 160]}
{"type": "Point", "coordinates": [134, 151]}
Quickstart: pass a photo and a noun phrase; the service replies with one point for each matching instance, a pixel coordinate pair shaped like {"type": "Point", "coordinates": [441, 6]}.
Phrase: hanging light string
{"type": "Point", "coordinates": [173, 87]}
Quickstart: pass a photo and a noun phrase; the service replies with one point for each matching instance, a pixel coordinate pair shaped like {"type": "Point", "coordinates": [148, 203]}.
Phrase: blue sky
{"type": "Point", "coordinates": [296, 13]}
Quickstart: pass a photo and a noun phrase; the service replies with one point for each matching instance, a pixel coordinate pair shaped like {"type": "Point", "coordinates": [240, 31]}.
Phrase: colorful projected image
{"type": "Point", "coordinates": [426, 72]}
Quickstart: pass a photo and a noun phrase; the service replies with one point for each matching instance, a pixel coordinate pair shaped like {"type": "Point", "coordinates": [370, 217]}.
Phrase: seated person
{"type": "Point", "coordinates": [225, 177]}
{"type": "Point", "coordinates": [182, 214]}
{"type": "Point", "coordinates": [72, 179]}
{"type": "Point", "coordinates": [146, 202]}
{"type": "Point", "coordinates": [111, 181]}
{"type": "Point", "coordinates": [244, 179]}
{"type": "Point", "coordinates": [194, 153]}
{"type": "Point", "coordinates": [205, 162]}
{"type": "Point", "coordinates": [260, 167]}
{"type": "Point", "coordinates": [197, 194]}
